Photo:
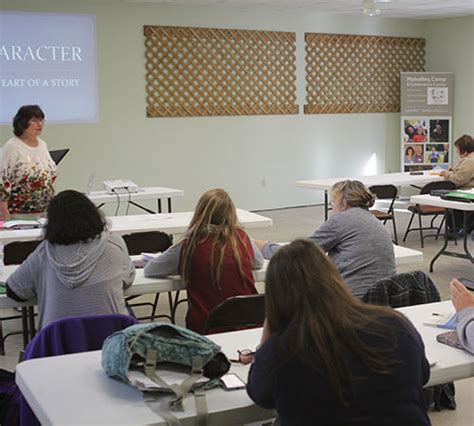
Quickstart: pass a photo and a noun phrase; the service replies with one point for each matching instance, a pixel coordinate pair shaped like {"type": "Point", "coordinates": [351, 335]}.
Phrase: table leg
{"type": "Point", "coordinates": [466, 254]}
{"type": "Point", "coordinates": [31, 320]}
{"type": "Point", "coordinates": [326, 208]}
{"type": "Point", "coordinates": [133, 203]}
{"type": "Point", "coordinates": [464, 228]}
{"type": "Point", "coordinates": [172, 306]}
{"type": "Point", "coordinates": [24, 325]}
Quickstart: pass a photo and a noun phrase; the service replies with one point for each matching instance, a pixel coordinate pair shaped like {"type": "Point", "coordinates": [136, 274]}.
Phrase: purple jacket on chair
{"type": "Point", "coordinates": [68, 336]}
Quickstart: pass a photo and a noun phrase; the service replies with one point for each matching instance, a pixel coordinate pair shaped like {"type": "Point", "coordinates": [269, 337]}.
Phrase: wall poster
{"type": "Point", "coordinates": [426, 120]}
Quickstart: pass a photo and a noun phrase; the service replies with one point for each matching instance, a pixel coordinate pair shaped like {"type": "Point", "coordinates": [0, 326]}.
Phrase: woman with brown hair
{"type": "Point", "coordinates": [462, 175]}
{"type": "Point", "coordinates": [357, 242]}
{"type": "Point", "coordinates": [215, 258]}
{"type": "Point", "coordinates": [328, 358]}
{"type": "Point", "coordinates": [27, 171]}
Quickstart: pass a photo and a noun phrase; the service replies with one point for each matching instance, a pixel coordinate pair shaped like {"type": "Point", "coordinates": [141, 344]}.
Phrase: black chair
{"type": "Point", "coordinates": [424, 210]}
{"type": "Point", "coordinates": [404, 289]}
{"type": "Point", "coordinates": [14, 254]}
{"type": "Point", "coordinates": [236, 312]}
{"type": "Point", "coordinates": [150, 242]}
{"type": "Point", "coordinates": [408, 289]}
{"type": "Point", "coordinates": [386, 192]}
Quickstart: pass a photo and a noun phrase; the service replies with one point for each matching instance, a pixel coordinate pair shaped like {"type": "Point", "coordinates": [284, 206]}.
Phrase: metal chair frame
{"type": "Point", "coordinates": [387, 192]}
{"type": "Point", "coordinates": [417, 210]}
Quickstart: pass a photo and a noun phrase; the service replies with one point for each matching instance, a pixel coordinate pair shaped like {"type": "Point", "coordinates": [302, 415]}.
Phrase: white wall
{"type": "Point", "coordinates": [450, 48]}
{"type": "Point", "coordinates": [258, 158]}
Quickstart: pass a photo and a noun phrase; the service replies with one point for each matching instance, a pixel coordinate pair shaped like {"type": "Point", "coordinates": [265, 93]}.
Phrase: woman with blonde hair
{"type": "Point", "coordinates": [215, 258]}
{"type": "Point", "coordinates": [357, 242]}
{"type": "Point", "coordinates": [327, 358]}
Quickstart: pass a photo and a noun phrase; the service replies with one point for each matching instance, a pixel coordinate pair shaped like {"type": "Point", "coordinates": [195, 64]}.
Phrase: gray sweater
{"type": "Point", "coordinates": [167, 263]}
{"type": "Point", "coordinates": [359, 245]}
{"type": "Point", "coordinates": [465, 328]}
{"type": "Point", "coordinates": [76, 280]}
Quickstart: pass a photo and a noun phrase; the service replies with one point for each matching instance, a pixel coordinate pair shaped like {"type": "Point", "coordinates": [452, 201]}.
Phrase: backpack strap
{"type": "Point", "coordinates": [201, 407]}
{"type": "Point", "coordinates": [163, 408]}
{"type": "Point", "coordinates": [160, 405]}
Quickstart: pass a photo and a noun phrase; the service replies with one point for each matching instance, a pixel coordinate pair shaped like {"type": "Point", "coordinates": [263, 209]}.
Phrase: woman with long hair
{"type": "Point", "coordinates": [215, 258]}
{"type": "Point", "coordinates": [79, 269]}
{"type": "Point", "coordinates": [327, 358]}
{"type": "Point", "coordinates": [353, 237]}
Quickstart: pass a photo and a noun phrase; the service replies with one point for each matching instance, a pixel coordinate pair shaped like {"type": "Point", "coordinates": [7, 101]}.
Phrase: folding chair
{"type": "Point", "coordinates": [236, 312]}
{"type": "Point", "coordinates": [68, 336]}
{"type": "Point", "coordinates": [408, 289]}
{"type": "Point", "coordinates": [386, 192]}
{"type": "Point", "coordinates": [423, 210]}
{"type": "Point", "coordinates": [150, 242]}
{"type": "Point", "coordinates": [14, 254]}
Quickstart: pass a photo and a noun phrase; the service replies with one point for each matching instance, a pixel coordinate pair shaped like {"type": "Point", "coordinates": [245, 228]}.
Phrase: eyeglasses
{"type": "Point", "coordinates": [246, 356]}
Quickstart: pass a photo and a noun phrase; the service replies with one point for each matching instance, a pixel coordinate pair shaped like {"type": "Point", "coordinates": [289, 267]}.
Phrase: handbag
{"type": "Point", "coordinates": [147, 355]}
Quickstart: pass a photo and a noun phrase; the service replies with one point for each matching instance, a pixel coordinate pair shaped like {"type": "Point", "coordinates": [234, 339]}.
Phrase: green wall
{"type": "Point", "coordinates": [258, 158]}
{"type": "Point", "coordinates": [450, 48]}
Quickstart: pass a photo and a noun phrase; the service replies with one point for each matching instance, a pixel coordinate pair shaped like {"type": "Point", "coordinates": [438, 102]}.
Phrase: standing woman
{"type": "Point", "coordinates": [28, 172]}
{"type": "Point", "coordinates": [215, 258]}
{"type": "Point", "coordinates": [327, 358]}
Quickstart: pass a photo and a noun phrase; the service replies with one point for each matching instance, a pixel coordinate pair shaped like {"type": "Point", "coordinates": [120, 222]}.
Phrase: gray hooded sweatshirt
{"type": "Point", "coordinates": [76, 280]}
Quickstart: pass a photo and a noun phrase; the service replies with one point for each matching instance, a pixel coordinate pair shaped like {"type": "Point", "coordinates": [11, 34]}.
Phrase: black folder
{"type": "Point", "coordinates": [58, 154]}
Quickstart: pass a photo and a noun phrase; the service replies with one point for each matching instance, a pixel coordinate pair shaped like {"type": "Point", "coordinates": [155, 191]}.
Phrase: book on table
{"type": "Point", "coordinates": [464, 196]}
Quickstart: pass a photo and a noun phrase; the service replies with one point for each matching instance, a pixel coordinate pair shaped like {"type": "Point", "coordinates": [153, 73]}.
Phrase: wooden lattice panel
{"type": "Point", "coordinates": [205, 72]}
{"type": "Point", "coordinates": [357, 73]}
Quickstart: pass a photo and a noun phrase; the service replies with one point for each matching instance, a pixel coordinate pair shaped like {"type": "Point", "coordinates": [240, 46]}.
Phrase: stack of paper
{"type": "Point", "coordinates": [23, 224]}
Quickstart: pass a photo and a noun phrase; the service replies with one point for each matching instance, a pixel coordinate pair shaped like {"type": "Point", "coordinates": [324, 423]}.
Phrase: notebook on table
{"type": "Point", "coordinates": [464, 196]}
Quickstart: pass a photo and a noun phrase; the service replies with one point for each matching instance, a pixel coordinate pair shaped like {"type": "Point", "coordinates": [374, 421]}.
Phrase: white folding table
{"type": "Point", "coordinates": [141, 285]}
{"type": "Point", "coordinates": [73, 389]}
{"type": "Point", "coordinates": [171, 223]}
{"type": "Point", "coordinates": [148, 193]}
{"type": "Point", "coordinates": [466, 208]}
{"type": "Point", "coordinates": [397, 179]}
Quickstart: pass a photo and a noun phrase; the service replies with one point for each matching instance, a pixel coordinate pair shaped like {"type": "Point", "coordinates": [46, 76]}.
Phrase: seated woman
{"type": "Point", "coordinates": [356, 241]}
{"type": "Point", "coordinates": [463, 301]}
{"type": "Point", "coordinates": [79, 269]}
{"type": "Point", "coordinates": [215, 258]}
{"type": "Point", "coordinates": [328, 358]}
{"type": "Point", "coordinates": [462, 175]}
